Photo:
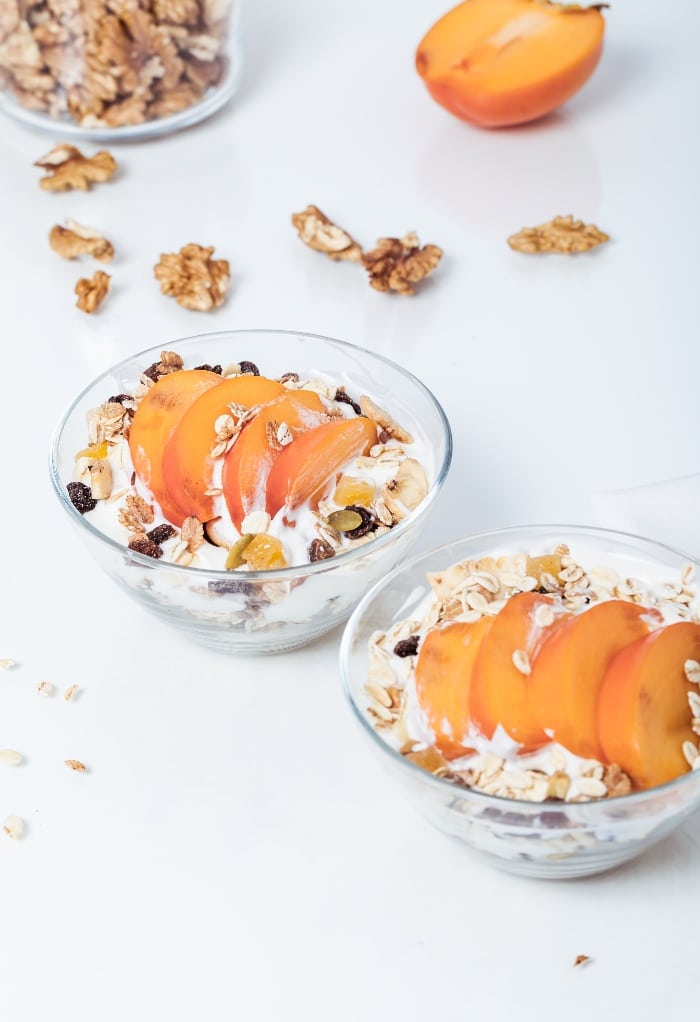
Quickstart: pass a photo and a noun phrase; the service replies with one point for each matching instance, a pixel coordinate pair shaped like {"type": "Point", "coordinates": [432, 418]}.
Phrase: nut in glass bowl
{"type": "Point", "coordinates": [116, 69]}
{"type": "Point", "coordinates": [553, 737]}
{"type": "Point", "coordinates": [273, 513]}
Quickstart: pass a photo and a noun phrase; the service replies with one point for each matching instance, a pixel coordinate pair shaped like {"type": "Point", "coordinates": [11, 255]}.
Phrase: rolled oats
{"type": "Point", "coordinates": [14, 827]}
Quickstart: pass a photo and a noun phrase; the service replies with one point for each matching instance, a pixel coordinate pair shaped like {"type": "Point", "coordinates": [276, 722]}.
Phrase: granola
{"type": "Point", "coordinates": [112, 63]}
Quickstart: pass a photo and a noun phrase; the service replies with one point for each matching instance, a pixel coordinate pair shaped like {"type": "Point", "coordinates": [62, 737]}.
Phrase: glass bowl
{"type": "Point", "coordinates": [118, 71]}
{"type": "Point", "coordinates": [260, 611]}
{"type": "Point", "coordinates": [549, 840]}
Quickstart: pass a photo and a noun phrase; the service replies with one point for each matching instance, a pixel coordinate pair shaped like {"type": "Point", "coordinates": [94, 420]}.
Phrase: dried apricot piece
{"type": "Point", "coordinates": [352, 490]}
{"type": "Point", "coordinates": [264, 553]}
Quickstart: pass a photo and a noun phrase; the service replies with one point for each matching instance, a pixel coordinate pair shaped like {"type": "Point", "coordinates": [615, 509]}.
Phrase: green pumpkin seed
{"type": "Point", "coordinates": [344, 521]}
{"type": "Point", "coordinates": [235, 554]}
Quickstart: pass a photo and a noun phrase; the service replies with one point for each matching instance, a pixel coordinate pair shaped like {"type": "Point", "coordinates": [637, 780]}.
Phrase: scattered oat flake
{"type": "Point", "coordinates": [70, 692]}
{"type": "Point", "coordinates": [581, 960]}
{"type": "Point", "coordinates": [7, 663]}
{"type": "Point", "coordinates": [75, 764]}
{"type": "Point", "coordinates": [45, 688]}
{"type": "Point", "coordinates": [14, 827]}
{"type": "Point", "coordinates": [10, 757]}
{"type": "Point", "coordinates": [521, 661]}
{"type": "Point", "coordinates": [692, 671]}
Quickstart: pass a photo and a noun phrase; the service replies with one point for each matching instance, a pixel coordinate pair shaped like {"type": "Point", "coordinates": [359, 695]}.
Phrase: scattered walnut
{"type": "Point", "coordinates": [616, 781]}
{"type": "Point", "coordinates": [581, 959]}
{"type": "Point", "coordinates": [193, 278]}
{"type": "Point", "coordinates": [75, 240]}
{"type": "Point", "coordinates": [322, 235]}
{"type": "Point", "coordinates": [76, 764]}
{"type": "Point", "coordinates": [92, 291]}
{"type": "Point", "coordinates": [68, 168]}
{"type": "Point", "coordinates": [398, 263]}
{"type": "Point", "coordinates": [562, 234]}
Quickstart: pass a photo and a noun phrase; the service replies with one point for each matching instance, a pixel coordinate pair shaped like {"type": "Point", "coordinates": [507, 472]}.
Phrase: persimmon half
{"type": "Point", "coordinates": [501, 62]}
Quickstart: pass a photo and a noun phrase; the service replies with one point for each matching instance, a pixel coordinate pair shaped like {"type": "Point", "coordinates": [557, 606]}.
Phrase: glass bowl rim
{"type": "Point", "coordinates": [277, 574]}
{"type": "Point", "coordinates": [443, 786]}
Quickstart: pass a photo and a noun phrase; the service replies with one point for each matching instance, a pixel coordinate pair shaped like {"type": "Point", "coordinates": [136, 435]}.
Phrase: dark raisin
{"type": "Point", "coordinates": [289, 378]}
{"type": "Point", "coordinates": [383, 437]}
{"type": "Point", "coordinates": [342, 395]}
{"type": "Point", "coordinates": [232, 586]}
{"type": "Point", "coordinates": [81, 497]}
{"type": "Point", "coordinates": [406, 647]}
{"type": "Point", "coordinates": [153, 372]}
{"type": "Point", "coordinates": [369, 522]}
{"type": "Point", "coordinates": [542, 589]}
{"type": "Point", "coordinates": [320, 550]}
{"type": "Point", "coordinates": [143, 545]}
{"type": "Point", "coordinates": [210, 369]}
{"type": "Point", "coordinates": [161, 533]}
{"type": "Point", "coordinates": [133, 478]}
{"type": "Point", "coordinates": [119, 399]}
{"type": "Point", "coordinates": [249, 367]}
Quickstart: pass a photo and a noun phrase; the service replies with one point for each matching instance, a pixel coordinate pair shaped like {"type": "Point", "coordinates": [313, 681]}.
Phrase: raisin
{"type": "Point", "coordinates": [406, 647]}
{"type": "Point", "coordinates": [153, 373]}
{"type": "Point", "coordinates": [161, 533]}
{"type": "Point", "coordinates": [143, 545]}
{"type": "Point", "coordinates": [342, 395]}
{"type": "Point", "coordinates": [289, 378]}
{"type": "Point", "coordinates": [249, 367]}
{"type": "Point", "coordinates": [320, 550]}
{"type": "Point", "coordinates": [233, 586]}
{"type": "Point", "coordinates": [369, 522]}
{"type": "Point", "coordinates": [81, 497]}
{"type": "Point", "coordinates": [211, 369]}
{"type": "Point", "coordinates": [119, 399]}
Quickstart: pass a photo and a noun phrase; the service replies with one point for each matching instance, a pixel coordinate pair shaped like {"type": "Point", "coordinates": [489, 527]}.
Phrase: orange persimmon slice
{"type": "Point", "coordinates": [568, 671]}
{"type": "Point", "coordinates": [248, 463]}
{"type": "Point", "coordinates": [187, 463]}
{"type": "Point", "coordinates": [155, 421]}
{"type": "Point", "coordinates": [500, 690]}
{"type": "Point", "coordinates": [314, 458]}
{"type": "Point", "coordinates": [643, 712]}
{"type": "Point", "coordinates": [501, 62]}
{"type": "Point", "coordinates": [443, 681]}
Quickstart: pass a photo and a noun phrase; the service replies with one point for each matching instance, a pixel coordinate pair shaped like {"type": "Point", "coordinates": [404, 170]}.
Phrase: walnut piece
{"type": "Point", "coordinates": [322, 235]}
{"type": "Point", "coordinates": [75, 240]}
{"type": "Point", "coordinates": [92, 291]}
{"type": "Point", "coordinates": [68, 168]}
{"type": "Point", "coordinates": [562, 234]}
{"type": "Point", "coordinates": [398, 263]}
{"type": "Point", "coordinates": [193, 278]}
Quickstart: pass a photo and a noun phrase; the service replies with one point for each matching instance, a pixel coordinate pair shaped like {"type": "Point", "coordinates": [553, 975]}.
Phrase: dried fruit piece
{"type": "Point", "coordinates": [562, 234]}
{"type": "Point", "coordinates": [193, 278]}
{"type": "Point", "coordinates": [396, 264]}
{"type": "Point", "coordinates": [344, 520]}
{"type": "Point", "coordinates": [264, 553]}
{"type": "Point", "coordinates": [320, 550]}
{"type": "Point", "coordinates": [368, 523]}
{"type": "Point", "coordinates": [161, 533]}
{"type": "Point", "coordinates": [92, 291]}
{"type": "Point", "coordinates": [352, 490]}
{"type": "Point", "coordinates": [406, 647]}
{"type": "Point", "coordinates": [97, 452]}
{"type": "Point", "coordinates": [81, 498]}
{"type": "Point", "coordinates": [141, 544]}
{"type": "Point", "coordinates": [342, 395]}
{"type": "Point", "coordinates": [322, 235]}
{"type": "Point", "coordinates": [68, 168]}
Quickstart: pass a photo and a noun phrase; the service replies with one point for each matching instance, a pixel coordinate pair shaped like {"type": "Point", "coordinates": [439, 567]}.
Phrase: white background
{"type": "Point", "coordinates": [235, 851]}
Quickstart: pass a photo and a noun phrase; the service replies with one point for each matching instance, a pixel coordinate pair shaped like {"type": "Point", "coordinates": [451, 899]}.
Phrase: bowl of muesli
{"type": "Point", "coordinates": [535, 692]}
{"type": "Point", "coordinates": [251, 501]}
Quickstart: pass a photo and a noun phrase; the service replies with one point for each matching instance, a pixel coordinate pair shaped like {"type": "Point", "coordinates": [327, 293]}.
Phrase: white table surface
{"type": "Point", "coordinates": [235, 851]}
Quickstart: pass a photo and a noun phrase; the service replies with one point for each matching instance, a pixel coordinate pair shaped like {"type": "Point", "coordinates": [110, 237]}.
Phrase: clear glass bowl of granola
{"type": "Point", "coordinates": [250, 486]}
{"type": "Point", "coordinates": [534, 691]}
{"type": "Point", "coordinates": [113, 71]}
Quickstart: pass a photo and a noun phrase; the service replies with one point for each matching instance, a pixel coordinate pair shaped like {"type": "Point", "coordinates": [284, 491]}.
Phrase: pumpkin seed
{"type": "Point", "coordinates": [344, 521]}
{"type": "Point", "coordinates": [235, 554]}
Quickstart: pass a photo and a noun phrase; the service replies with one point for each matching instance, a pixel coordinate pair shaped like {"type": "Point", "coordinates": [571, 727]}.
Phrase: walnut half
{"type": "Point", "coordinates": [193, 278]}
{"type": "Point", "coordinates": [75, 240]}
{"type": "Point", "coordinates": [68, 168]}
{"type": "Point", "coordinates": [562, 234]}
{"type": "Point", "coordinates": [322, 235]}
{"type": "Point", "coordinates": [396, 264]}
{"type": "Point", "coordinates": [92, 291]}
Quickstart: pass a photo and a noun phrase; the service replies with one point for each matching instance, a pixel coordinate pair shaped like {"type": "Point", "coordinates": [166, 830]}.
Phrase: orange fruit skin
{"type": "Point", "coordinates": [155, 421]}
{"type": "Point", "coordinates": [643, 712]}
{"type": "Point", "coordinates": [306, 466]}
{"type": "Point", "coordinates": [248, 463]}
{"type": "Point", "coordinates": [187, 463]}
{"type": "Point", "coordinates": [500, 693]}
{"type": "Point", "coordinates": [568, 672]}
{"type": "Point", "coordinates": [443, 681]}
{"type": "Point", "coordinates": [496, 63]}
